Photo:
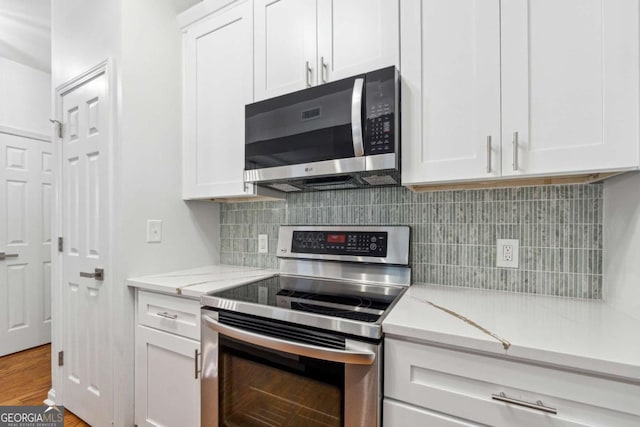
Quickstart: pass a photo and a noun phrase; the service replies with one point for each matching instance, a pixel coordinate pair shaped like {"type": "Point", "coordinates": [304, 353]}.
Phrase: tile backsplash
{"type": "Point", "coordinates": [453, 233]}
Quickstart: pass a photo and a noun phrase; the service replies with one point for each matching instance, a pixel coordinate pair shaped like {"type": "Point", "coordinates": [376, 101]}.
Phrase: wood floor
{"type": "Point", "coordinates": [25, 379]}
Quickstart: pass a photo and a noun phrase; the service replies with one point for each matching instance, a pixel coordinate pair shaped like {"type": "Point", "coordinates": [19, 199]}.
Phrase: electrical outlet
{"type": "Point", "coordinates": [263, 243]}
{"type": "Point", "coordinates": [507, 251]}
{"type": "Point", "coordinates": [154, 231]}
{"type": "Point", "coordinates": [263, 295]}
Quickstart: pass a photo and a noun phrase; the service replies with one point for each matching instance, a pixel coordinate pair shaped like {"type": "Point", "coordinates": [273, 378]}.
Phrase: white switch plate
{"type": "Point", "coordinates": [154, 231]}
{"type": "Point", "coordinates": [507, 253]}
{"type": "Point", "coordinates": [263, 243]}
{"type": "Point", "coordinates": [263, 295]}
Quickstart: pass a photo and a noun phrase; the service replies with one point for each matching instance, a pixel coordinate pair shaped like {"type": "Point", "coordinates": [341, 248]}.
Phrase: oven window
{"type": "Point", "coordinates": [259, 387]}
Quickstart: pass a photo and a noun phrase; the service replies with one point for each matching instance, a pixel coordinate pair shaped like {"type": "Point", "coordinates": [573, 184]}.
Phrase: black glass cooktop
{"type": "Point", "coordinates": [350, 300]}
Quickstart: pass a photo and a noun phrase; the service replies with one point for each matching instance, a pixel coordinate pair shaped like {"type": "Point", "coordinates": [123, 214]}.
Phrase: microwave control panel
{"type": "Point", "coordinates": [380, 132]}
{"type": "Point", "coordinates": [361, 243]}
{"type": "Point", "coordinates": [381, 99]}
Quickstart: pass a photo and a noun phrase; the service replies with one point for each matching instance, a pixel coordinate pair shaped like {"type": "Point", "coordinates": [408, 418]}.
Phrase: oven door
{"type": "Point", "coordinates": [252, 376]}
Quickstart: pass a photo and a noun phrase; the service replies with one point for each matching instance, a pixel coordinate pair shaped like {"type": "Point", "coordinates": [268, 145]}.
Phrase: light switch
{"type": "Point", "coordinates": [154, 231]}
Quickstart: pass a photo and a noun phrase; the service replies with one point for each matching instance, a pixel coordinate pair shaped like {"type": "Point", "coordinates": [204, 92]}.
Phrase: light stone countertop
{"type": "Point", "coordinates": [196, 282]}
{"type": "Point", "coordinates": [589, 335]}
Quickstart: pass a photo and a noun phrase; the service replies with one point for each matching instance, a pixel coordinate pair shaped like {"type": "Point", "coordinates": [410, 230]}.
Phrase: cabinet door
{"type": "Point", "coordinates": [570, 85]}
{"type": "Point", "coordinates": [285, 42]}
{"type": "Point", "coordinates": [398, 414]}
{"type": "Point", "coordinates": [167, 391]}
{"type": "Point", "coordinates": [357, 36]}
{"type": "Point", "coordinates": [218, 82]}
{"type": "Point", "coordinates": [450, 90]}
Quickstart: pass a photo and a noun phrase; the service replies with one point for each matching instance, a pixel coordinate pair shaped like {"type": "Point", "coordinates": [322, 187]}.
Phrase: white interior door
{"type": "Point", "coordinates": [25, 242]}
{"type": "Point", "coordinates": [86, 301]}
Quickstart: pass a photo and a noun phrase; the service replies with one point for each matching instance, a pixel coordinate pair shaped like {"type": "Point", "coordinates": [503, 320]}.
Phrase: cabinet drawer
{"type": "Point", "coordinates": [177, 315]}
{"type": "Point", "coordinates": [462, 384]}
{"type": "Point", "coordinates": [398, 414]}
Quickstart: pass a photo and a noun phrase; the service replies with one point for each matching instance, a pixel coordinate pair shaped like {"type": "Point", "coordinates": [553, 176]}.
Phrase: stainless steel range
{"type": "Point", "coordinates": [304, 348]}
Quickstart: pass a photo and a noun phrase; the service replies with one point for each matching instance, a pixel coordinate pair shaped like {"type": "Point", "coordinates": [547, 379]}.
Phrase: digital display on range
{"type": "Point", "coordinates": [336, 238]}
{"type": "Point", "coordinates": [357, 243]}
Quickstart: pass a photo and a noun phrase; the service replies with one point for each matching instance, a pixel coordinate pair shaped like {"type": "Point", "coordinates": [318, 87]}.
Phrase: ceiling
{"type": "Point", "coordinates": [25, 32]}
{"type": "Point", "coordinates": [182, 5]}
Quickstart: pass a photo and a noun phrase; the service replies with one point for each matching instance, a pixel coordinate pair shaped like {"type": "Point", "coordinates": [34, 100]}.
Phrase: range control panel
{"type": "Point", "coordinates": [357, 243]}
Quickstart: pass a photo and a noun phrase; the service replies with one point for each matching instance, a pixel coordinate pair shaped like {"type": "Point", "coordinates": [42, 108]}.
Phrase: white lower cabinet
{"type": "Point", "coordinates": [167, 384]}
{"type": "Point", "coordinates": [402, 414]}
{"type": "Point", "coordinates": [429, 385]}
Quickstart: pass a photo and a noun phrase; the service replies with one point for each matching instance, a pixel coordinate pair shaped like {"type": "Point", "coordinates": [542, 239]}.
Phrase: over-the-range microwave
{"type": "Point", "coordinates": [343, 134]}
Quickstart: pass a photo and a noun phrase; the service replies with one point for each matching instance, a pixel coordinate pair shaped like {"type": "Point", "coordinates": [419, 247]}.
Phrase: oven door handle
{"type": "Point", "coordinates": [314, 351]}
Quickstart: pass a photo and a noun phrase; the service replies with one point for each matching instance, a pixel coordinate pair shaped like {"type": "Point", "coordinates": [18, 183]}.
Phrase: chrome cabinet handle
{"type": "Point", "coordinates": [307, 70]}
{"type": "Point", "coordinates": [325, 69]}
{"type": "Point", "coordinates": [167, 315]}
{"type": "Point", "coordinates": [97, 274]}
{"type": "Point", "coordinates": [196, 356]}
{"type": "Point", "coordinates": [4, 256]}
{"type": "Point", "coordinates": [489, 154]}
{"type": "Point", "coordinates": [515, 151]}
{"type": "Point", "coordinates": [356, 117]}
{"type": "Point", "coordinates": [539, 406]}
{"type": "Point", "coordinates": [317, 352]}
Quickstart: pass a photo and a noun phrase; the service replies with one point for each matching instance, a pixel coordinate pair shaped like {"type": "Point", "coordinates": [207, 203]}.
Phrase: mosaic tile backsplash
{"type": "Point", "coordinates": [453, 233]}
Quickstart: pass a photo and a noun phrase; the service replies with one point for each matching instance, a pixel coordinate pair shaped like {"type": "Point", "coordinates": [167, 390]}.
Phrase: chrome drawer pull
{"type": "Point", "coordinates": [539, 406]}
{"type": "Point", "coordinates": [167, 315]}
{"type": "Point", "coordinates": [4, 256]}
{"type": "Point", "coordinates": [489, 154]}
{"type": "Point", "coordinates": [515, 151]}
{"type": "Point", "coordinates": [196, 356]}
{"type": "Point", "coordinates": [324, 68]}
{"type": "Point", "coordinates": [308, 71]}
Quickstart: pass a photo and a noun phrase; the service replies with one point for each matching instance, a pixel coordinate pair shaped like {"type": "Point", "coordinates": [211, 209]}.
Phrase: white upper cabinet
{"type": "Point", "coordinates": [285, 42]}
{"type": "Point", "coordinates": [218, 82]}
{"type": "Point", "coordinates": [450, 90]}
{"type": "Point", "coordinates": [560, 76]}
{"type": "Point", "coordinates": [302, 43]}
{"type": "Point", "coordinates": [570, 85]}
{"type": "Point", "coordinates": [356, 36]}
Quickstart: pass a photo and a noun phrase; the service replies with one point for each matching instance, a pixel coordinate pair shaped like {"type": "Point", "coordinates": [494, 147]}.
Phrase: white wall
{"type": "Point", "coordinates": [84, 33]}
{"type": "Point", "coordinates": [24, 97]}
{"type": "Point", "coordinates": [142, 38]}
{"type": "Point", "coordinates": [621, 235]}
{"type": "Point", "coordinates": [150, 155]}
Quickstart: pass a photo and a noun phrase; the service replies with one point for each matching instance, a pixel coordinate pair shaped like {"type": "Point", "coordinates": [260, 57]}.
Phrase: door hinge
{"type": "Point", "coordinates": [58, 125]}
{"type": "Point", "coordinates": [60, 244]}
{"type": "Point", "coordinates": [60, 358]}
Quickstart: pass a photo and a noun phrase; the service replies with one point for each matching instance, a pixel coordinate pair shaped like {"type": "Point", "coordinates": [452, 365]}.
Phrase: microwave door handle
{"type": "Point", "coordinates": [292, 347]}
{"type": "Point", "coordinates": [356, 117]}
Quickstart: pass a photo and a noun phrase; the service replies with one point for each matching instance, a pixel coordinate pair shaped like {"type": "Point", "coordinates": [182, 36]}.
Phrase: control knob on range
{"type": "Point", "coordinates": [373, 246]}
